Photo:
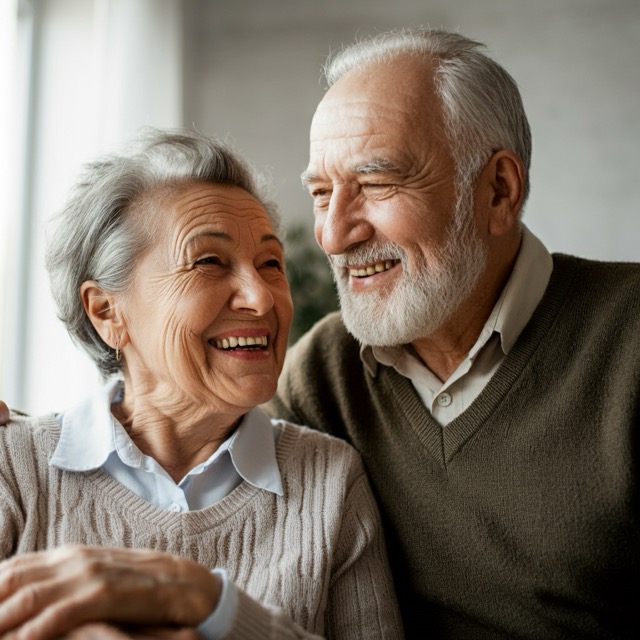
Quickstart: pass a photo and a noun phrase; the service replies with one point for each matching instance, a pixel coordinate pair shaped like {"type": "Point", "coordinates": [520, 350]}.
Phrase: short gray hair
{"type": "Point", "coordinates": [94, 238]}
{"type": "Point", "coordinates": [481, 103]}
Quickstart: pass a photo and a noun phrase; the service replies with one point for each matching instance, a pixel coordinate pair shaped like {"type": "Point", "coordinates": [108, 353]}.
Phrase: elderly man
{"type": "Point", "coordinates": [492, 389]}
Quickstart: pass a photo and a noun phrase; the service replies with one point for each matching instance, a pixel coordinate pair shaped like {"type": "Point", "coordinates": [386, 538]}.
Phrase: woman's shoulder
{"type": "Point", "coordinates": [24, 428]}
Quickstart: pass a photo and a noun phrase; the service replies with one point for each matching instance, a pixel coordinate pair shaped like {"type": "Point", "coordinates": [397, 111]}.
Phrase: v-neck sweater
{"type": "Point", "coordinates": [518, 519]}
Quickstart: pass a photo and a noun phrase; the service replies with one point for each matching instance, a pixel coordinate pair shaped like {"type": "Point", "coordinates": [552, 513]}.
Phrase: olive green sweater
{"type": "Point", "coordinates": [519, 519]}
{"type": "Point", "coordinates": [311, 561]}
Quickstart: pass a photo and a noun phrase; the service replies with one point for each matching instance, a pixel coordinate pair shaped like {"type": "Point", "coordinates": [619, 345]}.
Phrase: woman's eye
{"type": "Point", "coordinates": [209, 260]}
{"type": "Point", "coordinates": [274, 263]}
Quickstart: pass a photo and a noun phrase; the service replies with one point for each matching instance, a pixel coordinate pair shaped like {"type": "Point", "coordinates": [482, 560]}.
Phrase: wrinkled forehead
{"type": "Point", "coordinates": [208, 202]}
{"type": "Point", "coordinates": [200, 209]}
{"type": "Point", "coordinates": [382, 110]}
{"type": "Point", "coordinates": [404, 85]}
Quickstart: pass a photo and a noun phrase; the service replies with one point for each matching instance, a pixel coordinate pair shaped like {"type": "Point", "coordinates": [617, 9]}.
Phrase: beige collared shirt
{"type": "Point", "coordinates": [521, 295]}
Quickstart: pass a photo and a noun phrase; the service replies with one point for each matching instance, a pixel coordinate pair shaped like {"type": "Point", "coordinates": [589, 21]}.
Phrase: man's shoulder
{"type": "Point", "coordinates": [321, 372]}
{"type": "Point", "coordinates": [604, 281]}
{"type": "Point", "coordinates": [326, 342]}
{"type": "Point", "coordinates": [628, 271]}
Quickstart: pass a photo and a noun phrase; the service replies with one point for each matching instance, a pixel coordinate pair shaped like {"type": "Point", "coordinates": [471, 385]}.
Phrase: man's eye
{"type": "Point", "coordinates": [274, 263]}
{"type": "Point", "coordinates": [375, 185]}
{"type": "Point", "coordinates": [379, 190]}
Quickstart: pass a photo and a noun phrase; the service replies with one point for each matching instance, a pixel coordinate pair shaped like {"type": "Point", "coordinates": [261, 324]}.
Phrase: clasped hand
{"type": "Point", "coordinates": [67, 590]}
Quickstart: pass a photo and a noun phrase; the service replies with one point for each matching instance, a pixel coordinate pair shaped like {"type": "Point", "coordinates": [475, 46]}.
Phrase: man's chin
{"type": "Point", "coordinates": [372, 332]}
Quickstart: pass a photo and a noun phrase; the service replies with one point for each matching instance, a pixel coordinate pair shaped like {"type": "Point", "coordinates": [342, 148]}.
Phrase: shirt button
{"type": "Point", "coordinates": [175, 507]}
{"type": "Point", "coordinates": [444, 400]}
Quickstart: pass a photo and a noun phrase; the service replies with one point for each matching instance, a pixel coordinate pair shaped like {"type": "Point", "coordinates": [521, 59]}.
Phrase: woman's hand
{"type": "Point", "coordinates": [49, 593]}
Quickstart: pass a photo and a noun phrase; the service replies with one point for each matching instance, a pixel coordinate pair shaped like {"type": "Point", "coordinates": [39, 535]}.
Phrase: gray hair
{"type": "Point", "coordinates": [94, 236]}
{"type": "Point", "coordinates": [481, 103]}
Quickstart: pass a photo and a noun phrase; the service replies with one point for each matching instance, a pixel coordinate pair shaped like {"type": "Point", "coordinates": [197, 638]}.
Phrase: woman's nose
{"type": "Point", "coordinates": [251, 294]}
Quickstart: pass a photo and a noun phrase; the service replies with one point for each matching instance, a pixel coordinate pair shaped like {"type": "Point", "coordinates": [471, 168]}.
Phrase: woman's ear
{"type": "Point", "coordinates": [502, 182]}
{"type": "Point", "coordinates": [102, 310]}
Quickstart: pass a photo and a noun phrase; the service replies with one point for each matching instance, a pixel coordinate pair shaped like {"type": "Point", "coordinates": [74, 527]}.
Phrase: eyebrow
{"type": "Point", "coordinates": [379, 165]}
{"type": "Point", "coordinates": [268, 237]}
{"type": "Point", "coordinates": [307, 177]}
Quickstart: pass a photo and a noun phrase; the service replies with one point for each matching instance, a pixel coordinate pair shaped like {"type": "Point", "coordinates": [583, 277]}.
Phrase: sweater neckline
{"type": "Point", "coordinates": [443, 443]}
{"type": "Point", "coordinates": [133, 507]}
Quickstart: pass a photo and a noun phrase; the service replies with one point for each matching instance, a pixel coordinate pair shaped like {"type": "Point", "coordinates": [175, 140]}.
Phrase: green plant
{"type": "Point", "coordinates": [312, 287]}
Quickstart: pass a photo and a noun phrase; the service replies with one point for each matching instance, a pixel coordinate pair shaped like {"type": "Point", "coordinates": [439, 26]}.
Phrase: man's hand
{"type": "Point", "coordinates": [4, 413]}
{"type": "Point", "coordinates": [47, 594]}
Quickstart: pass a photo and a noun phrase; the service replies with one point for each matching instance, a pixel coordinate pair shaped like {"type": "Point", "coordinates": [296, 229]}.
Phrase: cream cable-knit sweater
{"type": "Point", "coordinates": [309, 562]}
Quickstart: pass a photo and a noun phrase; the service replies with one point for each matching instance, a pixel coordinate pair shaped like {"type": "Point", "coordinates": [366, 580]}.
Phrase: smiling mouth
{"type": "Point", "coordinates": [372, 269]}
{"type": "Point", "coordinates": [233, 343]}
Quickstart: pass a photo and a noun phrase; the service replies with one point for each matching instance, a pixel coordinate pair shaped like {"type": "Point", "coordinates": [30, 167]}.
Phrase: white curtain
{"type": "Point", "coordinates": [98, 71]}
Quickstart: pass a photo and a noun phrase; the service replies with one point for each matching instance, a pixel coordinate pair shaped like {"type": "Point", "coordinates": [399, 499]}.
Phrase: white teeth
{"type": "Point", "coordinates": [234, 342]}
{"type": "Point", "coordinates": [370, 270]}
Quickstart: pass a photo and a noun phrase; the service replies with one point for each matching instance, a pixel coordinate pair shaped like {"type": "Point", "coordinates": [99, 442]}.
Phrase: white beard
{"type": "Point", "coordinates": [420, 302]}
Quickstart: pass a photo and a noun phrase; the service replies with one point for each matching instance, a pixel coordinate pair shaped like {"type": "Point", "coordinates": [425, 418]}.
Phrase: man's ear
{"type": "Point", "coordinates": [104, 314]}
{"type": "Point", "coordinates": [501, 188]}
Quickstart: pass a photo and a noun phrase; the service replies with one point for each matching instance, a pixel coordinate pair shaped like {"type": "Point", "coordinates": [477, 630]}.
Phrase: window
{"type": "Point", "coordinates": [84, 77]}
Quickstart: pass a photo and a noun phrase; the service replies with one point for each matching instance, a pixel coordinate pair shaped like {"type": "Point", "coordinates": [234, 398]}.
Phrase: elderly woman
{"type": "Point", "coordinates": [183, 503]}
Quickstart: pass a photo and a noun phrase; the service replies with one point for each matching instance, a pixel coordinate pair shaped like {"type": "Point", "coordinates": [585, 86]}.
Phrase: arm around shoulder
{"type": "Point", "coordinates": [4, 413]}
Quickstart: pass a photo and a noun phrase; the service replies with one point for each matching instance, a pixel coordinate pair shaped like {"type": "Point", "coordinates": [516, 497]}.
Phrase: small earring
{"type": "Point", "coordinates": [118, 350]}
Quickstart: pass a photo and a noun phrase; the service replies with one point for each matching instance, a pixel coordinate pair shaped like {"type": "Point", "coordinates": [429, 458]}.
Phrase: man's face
{"type": "Point", "coordinates": [383, 183]}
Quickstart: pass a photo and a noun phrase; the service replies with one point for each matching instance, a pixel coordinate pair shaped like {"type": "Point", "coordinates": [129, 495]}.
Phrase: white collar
{"type": "Point", "coordinates": [89, 434]}
{"type": "Point", "coordinates": [513, 310]}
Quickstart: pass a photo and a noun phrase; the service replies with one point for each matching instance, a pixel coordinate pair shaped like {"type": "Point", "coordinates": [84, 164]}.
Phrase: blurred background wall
{"type": "Point", "coordinates": [82, 76]}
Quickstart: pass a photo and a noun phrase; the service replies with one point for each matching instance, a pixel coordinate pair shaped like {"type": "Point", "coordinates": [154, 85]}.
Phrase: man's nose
{"type": "Point", "coordinates": [344, 223]}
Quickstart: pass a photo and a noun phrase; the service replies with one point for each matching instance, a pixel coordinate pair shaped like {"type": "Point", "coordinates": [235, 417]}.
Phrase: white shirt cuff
{"type": "Point", "coordinates": [219, 622]}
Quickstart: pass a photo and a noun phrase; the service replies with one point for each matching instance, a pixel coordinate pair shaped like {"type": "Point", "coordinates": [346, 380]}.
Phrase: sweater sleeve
{"type": "Point", "coordinates": [11, 513]}
{"type": "Point", "coordinates": [361, 602]}
{"type": "Point", "coordinates": [11, 520]}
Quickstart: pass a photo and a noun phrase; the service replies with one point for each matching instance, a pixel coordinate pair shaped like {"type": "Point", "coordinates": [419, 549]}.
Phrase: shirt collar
{"type": "Point", "coordinates": [86, 435]}
{"type": "Point", "coordinates": [515, 306]}
{"type": "Point", "coordinates": [89, 434]}
{"type": "Point", "coordinates": [523, 291]}
{"type": "Point", "coordinates": [253, 452]}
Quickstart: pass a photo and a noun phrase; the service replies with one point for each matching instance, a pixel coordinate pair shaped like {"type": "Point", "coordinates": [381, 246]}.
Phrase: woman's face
{"type": "Point", "coordinates": [209, 310]}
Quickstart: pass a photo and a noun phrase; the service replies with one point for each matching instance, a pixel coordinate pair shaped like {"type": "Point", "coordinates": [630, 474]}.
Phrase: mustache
{"type": "Point", "coordinates": [368, 254]}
